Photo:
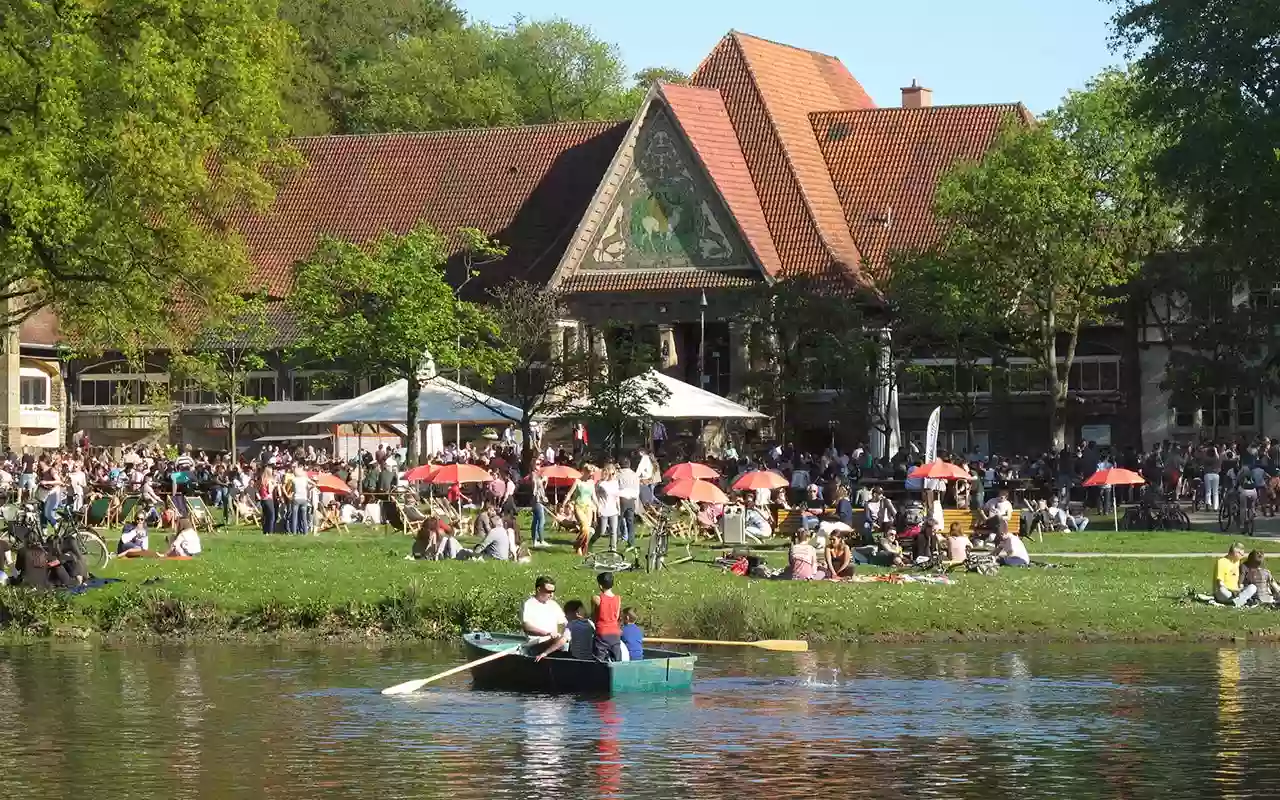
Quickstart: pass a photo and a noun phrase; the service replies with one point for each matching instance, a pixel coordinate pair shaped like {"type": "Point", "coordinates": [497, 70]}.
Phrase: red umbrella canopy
{"type": "Point", "coordinates": [421, 473]}
{"type": "Point", "coordinates": [760, 479]}
{"type": "Point", "coordinates": [332, 483]}
{"type": "Point", "coordinates": [560, 471]}
{"type": "Point", "coordinates": [695, 490]}
{"type": "Point", "coordinates": [460, 473]}
{"type": "Point", "coordinates": [1115, 476]}
{"type": "Point", "coordinates": [690, 470]}
{"type": "Point", "coordinates": [939, 470]}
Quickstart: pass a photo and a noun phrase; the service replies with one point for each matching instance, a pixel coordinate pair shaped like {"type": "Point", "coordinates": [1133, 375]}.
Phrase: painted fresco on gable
{"type": "Point", "coordinates": [664, 215]}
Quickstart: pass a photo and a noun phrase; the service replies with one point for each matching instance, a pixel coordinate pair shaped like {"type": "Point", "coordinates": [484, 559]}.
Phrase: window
{"type": "Point", "coordinates": [1222, 411]}
{"type": "Point", "coordinates": [307, 387]}
{"type": "Point", "coordinates": [263, 386]}
{"type": "Point", "coordinates": [1245, 411]}
{"type": "Point", "coordinates": [193, 394]}
{"type": "Point", "coordinates": [1184, 417]}
{"type": "Point", "coordinates": [33, 391]}
{"type": "Point", "coordinates": [109, 390]}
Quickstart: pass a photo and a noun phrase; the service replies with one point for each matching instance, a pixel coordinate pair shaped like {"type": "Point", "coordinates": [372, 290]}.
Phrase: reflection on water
{"type": "Point", "coordinates": [217, 721]}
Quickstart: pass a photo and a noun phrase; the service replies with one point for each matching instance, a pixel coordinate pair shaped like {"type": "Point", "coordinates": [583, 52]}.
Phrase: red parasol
{"type": "Point", "coordinates": [421, 473]}
{"type": "Point", "coordinates": [939, 470]}
{"type": "Point", "coordinates": [332, 483]}
{"type": "Point", "coordinates": [697, 491]}
{"type": "Point", "coordinates": [460, 473]}
{"type": "Point", "coordinates": [1114, 476]}
{"type": "Point", "coordinates": [690, 470]}
{"type": "Point", "coordinates": [760, 479]}
{"type": "Point", "coordinates": [559, 471]}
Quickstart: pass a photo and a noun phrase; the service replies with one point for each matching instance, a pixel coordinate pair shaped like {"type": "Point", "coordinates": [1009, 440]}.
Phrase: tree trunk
{"type": "Point", "coordinates": [1058, 419]}
{"type": "Point", "coordinates": [527, 455]}
{"type": "Point", "coordinates": [411, 416]}
{"type": "Point", "coordinates": [231, 432]}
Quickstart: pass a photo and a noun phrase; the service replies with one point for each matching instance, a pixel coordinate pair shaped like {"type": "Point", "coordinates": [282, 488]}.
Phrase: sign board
{"type": "Point", "coordinates": [1100, 434]}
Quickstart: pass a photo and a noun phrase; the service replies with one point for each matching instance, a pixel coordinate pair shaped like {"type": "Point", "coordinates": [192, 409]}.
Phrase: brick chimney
{"type": "Point", "coordinates": [916, 96]}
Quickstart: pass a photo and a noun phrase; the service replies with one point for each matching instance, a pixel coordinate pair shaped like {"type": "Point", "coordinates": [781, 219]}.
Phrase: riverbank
{"type": "Point", "coordinates": [359, 585]}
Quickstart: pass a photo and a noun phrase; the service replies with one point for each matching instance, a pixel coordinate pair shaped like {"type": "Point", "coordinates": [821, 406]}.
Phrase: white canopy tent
{"type": "Point", "coordinates": [441, 401]}
{"type": "Point", "coordinates": [683, 401]}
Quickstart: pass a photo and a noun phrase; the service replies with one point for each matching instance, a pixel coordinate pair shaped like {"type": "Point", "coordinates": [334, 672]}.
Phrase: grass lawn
{"type": "Point", "coordinates": [1108, 541]}
{"type": "Point", "coordinates": [359, 583]}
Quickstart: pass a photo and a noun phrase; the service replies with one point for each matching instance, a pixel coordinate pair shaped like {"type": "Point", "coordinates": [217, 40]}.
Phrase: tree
{"type": "Point", "coordinates": [383, 310]}
{"type": "Point", "coordinates": [130, 130]}
{"type": "Point", "coordinates": [337, 39]}
{"type": "Point", "coordinates": [545, 378]}
{"type": "Point", "coordinates": [1208, 73]}
{"type": "Point", "coordinates": [818, 341]}
{"type": "Point", "coordinates": [617, 396]}
{"type": "Point", "coordinates": [562, 72]}
{"type": "Point", "coordinates": [437, 81]}
{"type": "Point", "coordinates": [229, 347]}
{"type": "Point", "coordinates": [1052, 222]}
{"type": "Point", "coordinates": [651, 75]}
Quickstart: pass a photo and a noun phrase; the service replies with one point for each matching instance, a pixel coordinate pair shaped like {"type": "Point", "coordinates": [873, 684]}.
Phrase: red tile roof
{"type": "Point", "coordinates": [886, 165]}
{"type": "Point", "coordinates": [769, 91]}
{"type": "Point", "coordinates": [41, 328]}
{"type": "Point", "coordinates": [701, 114]}
{"type": "Point", "coordinates": [527, 187]}
{"type": "Point", "coordinates": [607, 281]}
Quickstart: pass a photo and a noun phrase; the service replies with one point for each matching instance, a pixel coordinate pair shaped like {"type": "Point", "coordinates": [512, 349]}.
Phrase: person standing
{"type": "Point", "coordinates": [607, 616]}
{"type": "Point", "coordinates": [267, 499]}
{"type": "Point", "coordinates": [582, 498]}
{"type": "Point", "coordinates": [1212, 476]}
{"type": "Point", "coordinates": [537, 532]}
{"type": "Point", "coordinates": [628, 501]}
{"type": "Point", "coordinates": [608, 505]}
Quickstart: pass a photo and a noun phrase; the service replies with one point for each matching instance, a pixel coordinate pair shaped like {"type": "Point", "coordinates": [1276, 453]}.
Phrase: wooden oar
{"type": "Point", "coordinates": [788, 645]}
{"type": "Point", "coordinates": [408, 687]}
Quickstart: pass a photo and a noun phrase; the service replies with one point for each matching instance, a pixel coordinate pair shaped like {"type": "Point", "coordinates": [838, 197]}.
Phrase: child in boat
{"type": "Point", "coordinates": [580, 631]}
{"type": "Point", "coordinates": [606, 613]}
{"type": "Point", "coordinates": [632, 636]}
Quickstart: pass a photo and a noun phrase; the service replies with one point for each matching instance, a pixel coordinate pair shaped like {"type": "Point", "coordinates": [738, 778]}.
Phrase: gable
{"type": "Point", "coordinates": [664, 214]}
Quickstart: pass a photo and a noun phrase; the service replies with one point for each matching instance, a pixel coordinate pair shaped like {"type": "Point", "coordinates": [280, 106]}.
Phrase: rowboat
{"type": "Point", "coordinates": [659, 671]}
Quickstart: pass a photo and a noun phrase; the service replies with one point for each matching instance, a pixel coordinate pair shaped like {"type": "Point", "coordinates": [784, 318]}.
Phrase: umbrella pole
{"type": "Point", "coordinates": [1115, 509]}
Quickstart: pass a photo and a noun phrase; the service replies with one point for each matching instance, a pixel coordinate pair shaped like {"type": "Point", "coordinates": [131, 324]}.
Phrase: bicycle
{"type": "Point", "coordinates": [607, 561]}
{"type": "Point", "coordinates": [1228, 510]}
{"type": "Point", "coordinates": [660, 545]}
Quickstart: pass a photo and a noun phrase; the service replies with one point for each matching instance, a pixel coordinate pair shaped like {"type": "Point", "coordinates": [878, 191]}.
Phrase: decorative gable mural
{"type": "Point", "coordinates": [664, 214]}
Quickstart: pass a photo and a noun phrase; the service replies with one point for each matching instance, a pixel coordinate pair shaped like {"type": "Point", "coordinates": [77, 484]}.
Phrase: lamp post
{"type": "Point", "coordinates": [702, 341]}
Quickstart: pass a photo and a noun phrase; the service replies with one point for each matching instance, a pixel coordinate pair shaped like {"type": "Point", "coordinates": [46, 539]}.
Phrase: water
{"type": "Point", "coordinates": [223, 721]}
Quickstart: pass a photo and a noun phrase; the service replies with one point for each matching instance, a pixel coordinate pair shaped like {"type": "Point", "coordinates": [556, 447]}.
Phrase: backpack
{"type": "Point", "coordinates": [1245, 480]}
{"type": "Point", "coordinates": [982, 563]}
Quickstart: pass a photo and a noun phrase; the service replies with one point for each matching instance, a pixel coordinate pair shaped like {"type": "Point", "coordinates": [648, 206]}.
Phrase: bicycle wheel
{"type": "Point", "coordinates": [1246, 522]}
{"type": "Point", "coordinates": [1224, 517]}
{"type": "Point", "coordinates": [95, 549]}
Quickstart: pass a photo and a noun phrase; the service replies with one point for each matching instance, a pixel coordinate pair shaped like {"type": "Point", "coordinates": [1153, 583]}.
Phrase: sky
{"type": "Point", "coordinates": [967, 51]}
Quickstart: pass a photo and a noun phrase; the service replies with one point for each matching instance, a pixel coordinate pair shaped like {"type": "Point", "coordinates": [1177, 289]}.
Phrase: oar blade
{"type": "Point", "coordinates": [408, 687]}
{"type": "Point", "coordinates": [787, 645]}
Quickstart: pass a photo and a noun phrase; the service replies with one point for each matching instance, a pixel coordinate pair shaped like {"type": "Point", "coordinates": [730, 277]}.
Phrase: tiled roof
{"type": "Point", "coordinates": [886, 165]}
{"type": "Point", "coordinates": [603, 281]}
{"type": "Point", "coordinates": [527, 187]}
{"type": "Point", "coordinates": [769, 91]}
{"type": "Point", "coordinates": [701, 114]}
{"type": "Point", "coordinates": [41, 328]}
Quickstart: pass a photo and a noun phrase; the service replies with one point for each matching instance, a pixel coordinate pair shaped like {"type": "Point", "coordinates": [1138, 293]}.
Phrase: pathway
{"type": "Point", "coordinates": [1125, 555]}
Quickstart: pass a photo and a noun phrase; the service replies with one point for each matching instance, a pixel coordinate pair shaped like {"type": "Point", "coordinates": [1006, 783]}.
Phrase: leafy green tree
{"type": "Point", "coordinates": [228, 348]}
{"type": "Point", "coordinates": [617, 398]}
{"type": "Point", "coordinates": [1054, 220]}
{"type": "Point", "coordinates": [651, 75]}
{"type": "Point", "coordinates": [336, 39]}
{"type": "Point", "coordinates": [130, 129]}
{"type": "Point", "coordinates": [438, 81]}
{"type": "Point", "coordinates": [562, 72]}
{"type": "Point", "coordinates": [383, 310]}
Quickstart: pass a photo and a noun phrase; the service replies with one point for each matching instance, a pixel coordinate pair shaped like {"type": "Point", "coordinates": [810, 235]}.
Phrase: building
{"type": "Point", "coordinates": [772, 163]}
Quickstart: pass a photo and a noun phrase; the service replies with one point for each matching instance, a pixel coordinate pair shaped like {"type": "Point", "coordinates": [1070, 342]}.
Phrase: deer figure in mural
{"type": "Point", "coordinates": [659, 221]}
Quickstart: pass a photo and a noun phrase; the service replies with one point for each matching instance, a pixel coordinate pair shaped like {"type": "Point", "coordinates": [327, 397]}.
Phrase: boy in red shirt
{"type": "Point", "coordinates": [606, 613]}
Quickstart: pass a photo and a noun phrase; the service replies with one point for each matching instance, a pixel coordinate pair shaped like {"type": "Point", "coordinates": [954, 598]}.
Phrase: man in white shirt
{"type": "Point", "coordinates": [628, 501]}
{"type": "Point", "coordinates": [998, 513]}
{"type": "Point", "coordinates": [542, 618]}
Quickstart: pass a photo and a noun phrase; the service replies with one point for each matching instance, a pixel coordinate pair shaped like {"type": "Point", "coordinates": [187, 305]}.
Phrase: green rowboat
{"type": "Point", "coordinates": [659, 671]}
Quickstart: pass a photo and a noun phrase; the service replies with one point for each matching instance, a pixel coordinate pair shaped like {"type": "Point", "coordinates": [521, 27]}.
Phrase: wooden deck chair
{"type": "Point", "coordinates": [128, 507]}
{"type": "Point", "coordinates": [331, 519]}
{"type": "Point", "coordinates": [181, 508]}
{"type": "Point", "coordinates": [200, 514]}
{"type": "Point", "coordinates": [248, 511]}
{"type": "Point", "coordinates": [97, 512]}
{"type": "Point", "coordinates": [410, 516]}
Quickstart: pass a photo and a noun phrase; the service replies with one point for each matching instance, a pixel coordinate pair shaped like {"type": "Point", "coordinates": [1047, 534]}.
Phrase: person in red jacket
{"type": "Point", "coordinates": [606, 613]}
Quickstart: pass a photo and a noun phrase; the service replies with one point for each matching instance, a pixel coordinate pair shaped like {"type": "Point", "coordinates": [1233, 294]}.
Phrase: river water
{"type": "Point", "coordinates": [229, 721]}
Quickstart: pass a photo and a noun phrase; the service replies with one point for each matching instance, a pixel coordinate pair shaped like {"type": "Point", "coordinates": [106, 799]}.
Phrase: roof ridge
{"type": "Point", "coordinates": [1010, 105]}
{"type": "Point", "coordinates": [775, 43]}
{"type": "Point", "coordinates": [786, 157]}
{"type": "Point", "coordinates": [453, 131]}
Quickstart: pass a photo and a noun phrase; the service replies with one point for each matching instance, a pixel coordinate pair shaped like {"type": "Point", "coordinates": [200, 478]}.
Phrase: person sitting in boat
{"type": "Point", "coordinates": [541, 617]}
{"type": "Point", "coordinates": [580, 632]}
{"type": "Point", "coordinates": [606, 615]}
{"type": "Point", "coordinates": [632, 636]}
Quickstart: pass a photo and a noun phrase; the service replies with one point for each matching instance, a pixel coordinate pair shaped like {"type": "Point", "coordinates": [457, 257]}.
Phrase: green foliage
{"type": "Point", "coordinates": [617, 398]}
{"type": "Point", "coordinates": [230, 346]}
{"type": "Point", "coordinates": [1054, 220]}
{"type": "Point", "coordinates": [130, 129]}
{"type": "Point", "coordinates": [383, 310]}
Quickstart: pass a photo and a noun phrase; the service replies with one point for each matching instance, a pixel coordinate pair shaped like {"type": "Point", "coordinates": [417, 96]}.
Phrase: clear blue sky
{"type": "Point", "coordinates": [967, 51]}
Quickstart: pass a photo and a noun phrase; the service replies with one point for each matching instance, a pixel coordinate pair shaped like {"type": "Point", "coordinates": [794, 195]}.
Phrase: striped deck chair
{"type": "Point", "coordinates": [200, 514]}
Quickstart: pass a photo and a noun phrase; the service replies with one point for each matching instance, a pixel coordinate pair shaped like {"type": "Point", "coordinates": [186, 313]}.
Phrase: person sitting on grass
{"type": "Point", "coordinates": [1010, 551]}
{"type": "Point", "coordinates": [802, 559]}
{"type": "Point", "coordinates": [1226, 578]}
{"type": "Point", "coordinates": [133, 541]}
{"type": "Point", "coordinates": [186, 544]}
{"type": "Point", "coordinates": [426, 543]}
{"type": "Point", "coordinates": [497, 543]}
{"type": "Point", "coordinates": [632, 636]}
{"type": "Point", "coordinates": [958, 545]}
{"type": "Point", "coordinates": [837, 557]}
{"type": "Point", "coordinates": [758, 526]}
{"type": "Point", "coordinates": [1256, 574]}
